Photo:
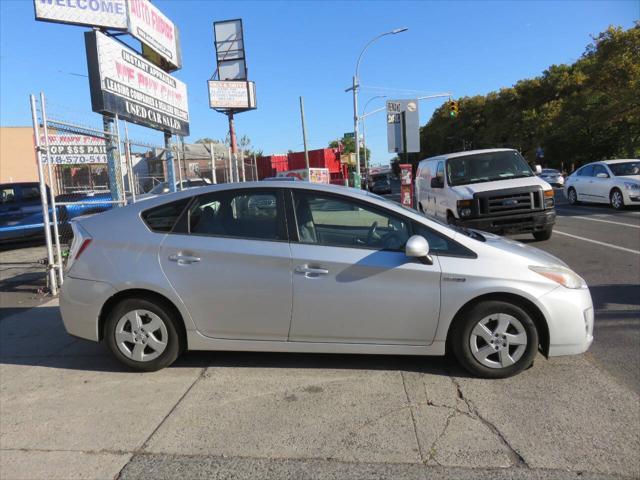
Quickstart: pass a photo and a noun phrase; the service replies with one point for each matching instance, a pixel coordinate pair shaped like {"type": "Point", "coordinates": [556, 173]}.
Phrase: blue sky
{"type": "Point", "coordinates": [310, 49]}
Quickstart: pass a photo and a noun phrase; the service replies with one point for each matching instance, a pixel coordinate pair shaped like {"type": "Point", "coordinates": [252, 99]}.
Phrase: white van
{"type": "Point", "coordinates": [493, 190]}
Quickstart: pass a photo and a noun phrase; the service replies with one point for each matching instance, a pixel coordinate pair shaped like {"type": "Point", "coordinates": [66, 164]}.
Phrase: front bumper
{"type": "Point", "coordinates": [631, 197]}
{"type": "Point", "coordinates": [569, 314]}
{"type": "Point", "coordinates": [80, 305]}
{"type": "Point", "coordinates": [521, 223]}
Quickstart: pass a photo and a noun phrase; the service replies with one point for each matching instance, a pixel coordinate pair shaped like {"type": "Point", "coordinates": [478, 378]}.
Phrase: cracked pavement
{"type": "Point", "coordinates": [68, 410]}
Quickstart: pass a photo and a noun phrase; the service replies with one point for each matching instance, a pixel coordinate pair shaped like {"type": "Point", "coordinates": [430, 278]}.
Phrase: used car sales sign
{"type": "Point", "coordinates": [125, 84]}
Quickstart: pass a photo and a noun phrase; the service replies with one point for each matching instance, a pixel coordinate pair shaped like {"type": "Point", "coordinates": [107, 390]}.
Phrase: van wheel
{"type": "Point", "coordinates": [494, 339]}
{"type": "Point", "coordinates": [451, 220]}
{"type": "Point", "coordinates": [143, 334]}
{"type": "Point", "coordinates": [543, 234]}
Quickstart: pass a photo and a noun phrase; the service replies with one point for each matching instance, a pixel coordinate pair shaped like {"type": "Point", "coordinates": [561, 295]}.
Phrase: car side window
{"type": "Point", "coordinates": [341, 222]}
{"type": "Point", "coordinates": [440, 244]}
{"type": "Point", "coordinates": [30, 194]}
{"type": "Point", "coordinates": [8, 195]}
{"type": "Point", "coordinates": [162, 218]}
{"type": "Point", "coordinates": [586, 171]}
{"type": "Point", "coordinates": [244, 214]}
{"type": "Point", "coordinates": [599, 169]}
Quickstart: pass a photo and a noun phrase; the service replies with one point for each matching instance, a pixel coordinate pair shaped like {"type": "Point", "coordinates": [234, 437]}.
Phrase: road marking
{"type": "Point", "coordinates": [636, 252]}
{"type": "Point", "coordinates": [605, 221]}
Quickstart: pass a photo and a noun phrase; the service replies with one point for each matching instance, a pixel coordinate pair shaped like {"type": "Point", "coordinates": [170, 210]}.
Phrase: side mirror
{"type": "Point", "coordinates": [602, 175]}
{"type": "Point", "coordinates": [538, 169]}
{"type": "Point", "coordinates": [437, 182]}
{"type": "Point", "coordinates": [418, 247]}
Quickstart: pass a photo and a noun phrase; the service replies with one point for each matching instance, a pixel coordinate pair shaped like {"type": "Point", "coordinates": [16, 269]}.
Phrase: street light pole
{"type": "Point", "coordinates": [354, 87]}
{"type": "Point", "coordinates": [364, 130]}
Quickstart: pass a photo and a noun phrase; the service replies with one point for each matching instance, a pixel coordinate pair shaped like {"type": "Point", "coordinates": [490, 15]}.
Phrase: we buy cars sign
{"type": "Point", "coordinates": [74, 149]}
{"type": "Point", "coordinates": [125, 84]}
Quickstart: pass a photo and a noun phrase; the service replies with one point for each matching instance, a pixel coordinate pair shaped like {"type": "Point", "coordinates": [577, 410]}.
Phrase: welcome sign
{"type": "Point", "coordinates": [99, 13]}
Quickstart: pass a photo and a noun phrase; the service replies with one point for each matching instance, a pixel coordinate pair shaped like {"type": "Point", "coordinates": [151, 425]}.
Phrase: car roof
{"type": "Point", "coordinates": [609, 162]}
{"type": "Point", "coordinates": [447, 156]}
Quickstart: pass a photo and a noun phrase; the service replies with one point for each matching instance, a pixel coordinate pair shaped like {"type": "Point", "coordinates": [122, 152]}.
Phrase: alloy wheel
{"type": "Point", "coordinates": [572, 196]}
{"type": "Point", "coordinates": [498, 340]}
{"type": "Point", "coordinates": [616, 200]}
{"type": "Point", "coordinates": [141, 335]}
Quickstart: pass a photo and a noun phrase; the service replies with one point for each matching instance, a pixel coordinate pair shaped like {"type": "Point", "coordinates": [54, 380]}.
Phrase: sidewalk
{"type": "Point", "coordinates": [68, 410]}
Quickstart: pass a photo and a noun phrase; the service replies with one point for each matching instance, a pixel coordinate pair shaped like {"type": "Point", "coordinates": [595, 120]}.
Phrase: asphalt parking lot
{"type": "Point", "coordinates": [68, 410]}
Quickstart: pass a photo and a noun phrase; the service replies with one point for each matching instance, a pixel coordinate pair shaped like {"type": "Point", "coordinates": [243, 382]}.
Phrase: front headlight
{"type": "Point", "coordinates": [562, 275]}
{"type": "Point", "coordinates": [631, 186]}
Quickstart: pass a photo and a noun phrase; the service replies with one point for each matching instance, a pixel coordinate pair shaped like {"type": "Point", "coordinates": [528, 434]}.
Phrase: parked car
{"type": "Point", "coordinates": [163, 187]}
{"type": "Point", "coordinates": [21, 210]}
{"type": "Point", "coordinates": [493, 190]}
{"type": "Point", "coordinates": [616, 182]}
{"type": "Point", "coordinates": [199, 271]}
{"type": "Point", "coordinates": [552, 177]}
{"type": "Point", "coordinates": [381, 186]}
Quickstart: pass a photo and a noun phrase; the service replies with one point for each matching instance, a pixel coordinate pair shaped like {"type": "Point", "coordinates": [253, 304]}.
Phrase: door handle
{"type": "Point", "coordinates": [184, 259]}
{"type": "Point", "coordinates": [311, 272]}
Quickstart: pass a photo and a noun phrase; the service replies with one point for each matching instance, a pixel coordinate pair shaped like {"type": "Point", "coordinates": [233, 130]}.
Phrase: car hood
{"type": "Point", "coordinates": [468, 190]}
{"type": "Point", "coordinates": [534, 255]}
{"type": "Point", "coordinates": [635, 178]}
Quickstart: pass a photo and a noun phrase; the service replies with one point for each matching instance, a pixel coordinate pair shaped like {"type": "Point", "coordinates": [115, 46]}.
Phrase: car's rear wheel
{"type": "Point", "coordinates": [143, 334]}
{"type": "Point", "coordinates": [572, 196]}
{"type": "Point", "coordinates": [495, 339]}
{"type": "Point", "coordinates": [616, 199]}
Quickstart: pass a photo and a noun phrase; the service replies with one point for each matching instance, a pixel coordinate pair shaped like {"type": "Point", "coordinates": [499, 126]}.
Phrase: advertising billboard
{"type": "Point", "coordinates": [403, 126]}
{"type": "Point", "coordinates": [229, 42]}
{"type": "Point", "coordinates": [234, 95]}
{"type": "Point", "coordinates": [71, 149]}
{"type": "Point", "coordinates": [158, 35]}
{"type": "Point", "coordinates": [98, 13]}
{"type": "Point", "coordinates": [125, 84]}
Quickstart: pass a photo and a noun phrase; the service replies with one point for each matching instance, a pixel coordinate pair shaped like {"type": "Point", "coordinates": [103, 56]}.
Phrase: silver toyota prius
{"type": "Point", "coordinates": [298, 267]}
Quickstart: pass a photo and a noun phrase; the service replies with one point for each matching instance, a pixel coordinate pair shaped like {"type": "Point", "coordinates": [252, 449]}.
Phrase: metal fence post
{"type": "Point", "coordinates": [171, 172]}
{"type": "Point", "coordinates": [112, 161]}
{"type": "Point", "coordinates": [213, 164]}
{"type": "Point", "coordinates": [230, 168]}
{"type": "Point", "coordinates": [244, 178]}
{"type": "Point", "coordinates": [255, 168]}
{"type": "Point", "coordinates": [43, 198]}
{"type": "Point", "coordinates": [54, 212]}
{"type": "Point", "coordinates": [119, 160]}
{"type": "Point", "coordinates": [127, 154]}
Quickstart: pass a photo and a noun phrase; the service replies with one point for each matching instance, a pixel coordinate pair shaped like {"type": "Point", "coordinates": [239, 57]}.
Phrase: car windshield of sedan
{"type": "Point", "coordinates": [626, 168]}
{"type": "Point", "coordinates": [486, 167]}
{"type": "Point", "coordinates": [162, 187]}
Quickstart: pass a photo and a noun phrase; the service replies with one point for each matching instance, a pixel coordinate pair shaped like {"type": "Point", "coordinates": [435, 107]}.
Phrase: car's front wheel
{"type": "Point", "coordinates": [143, 334]}
{"type": "Point", "coordinates": [616, 199]}
{"type": "Point", "coordinates": [494, 339]}
{"type": "Point", "coordinates": [543, 234]}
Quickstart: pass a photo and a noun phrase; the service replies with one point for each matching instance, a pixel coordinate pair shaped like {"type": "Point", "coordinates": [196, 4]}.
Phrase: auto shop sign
{"type": "Point", "coordinates": [74, 149]}
{"type": "Point", "coordinates": [125, 84]}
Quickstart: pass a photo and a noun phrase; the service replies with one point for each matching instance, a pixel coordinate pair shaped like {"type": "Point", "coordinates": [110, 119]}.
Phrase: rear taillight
{"type": "Point", "coordinates": [81, 240]}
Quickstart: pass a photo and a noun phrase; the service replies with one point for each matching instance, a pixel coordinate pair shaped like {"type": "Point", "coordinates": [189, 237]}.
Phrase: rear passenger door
{"type": "Point", "coordinates": [229, 260]}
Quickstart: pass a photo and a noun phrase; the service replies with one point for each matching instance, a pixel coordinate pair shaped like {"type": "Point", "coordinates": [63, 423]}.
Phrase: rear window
{"type": "Point", "coordinates": [163, 217]}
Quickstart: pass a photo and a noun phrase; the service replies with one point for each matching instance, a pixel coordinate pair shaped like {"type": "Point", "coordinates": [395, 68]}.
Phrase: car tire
{"type": "Point", "coordinates": [616, 199]}
{"type": "Point", "coordinates": [543, 235]}
{"type": "Point", "coordinates": [572, 196]}
{"type": "Point", "coordinates": [143, 334]}
{"type": "Point", "coordinates": [506, 345]}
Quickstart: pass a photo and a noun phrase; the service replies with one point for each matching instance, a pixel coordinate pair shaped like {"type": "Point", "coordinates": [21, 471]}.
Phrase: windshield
{"type": "Point", "coordinates": [486, 167]}
{"type": "Point", "coordinates": [626, 168]}
{"type": "Point", "coordinates": [159, 188]}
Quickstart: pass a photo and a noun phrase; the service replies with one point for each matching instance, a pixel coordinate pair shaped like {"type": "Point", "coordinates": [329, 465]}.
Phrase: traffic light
{"type": "Point", "coordinates": [453, 108]}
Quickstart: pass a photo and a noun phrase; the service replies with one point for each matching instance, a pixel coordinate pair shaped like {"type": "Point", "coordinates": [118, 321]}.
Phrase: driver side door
{"type": "Point", "coordinates": [352, 282]}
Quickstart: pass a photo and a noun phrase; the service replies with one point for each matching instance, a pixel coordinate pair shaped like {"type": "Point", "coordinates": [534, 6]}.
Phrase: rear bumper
{"type": "Point", "coordinates": [520, 223]}
{"type": "Point", "coordinates": [80, 305]}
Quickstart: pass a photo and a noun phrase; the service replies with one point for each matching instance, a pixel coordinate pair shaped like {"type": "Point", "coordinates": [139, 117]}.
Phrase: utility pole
{"type": "Point", "coordinates": [171, 172]}
{"type": "Point", "coordinates": [304, 137]}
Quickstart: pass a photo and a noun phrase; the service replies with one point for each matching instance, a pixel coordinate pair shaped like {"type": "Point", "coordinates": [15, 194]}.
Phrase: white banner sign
{"type": "Point", "coordinates": [154, 29]}
{"type": "Point", "coordinates": [240, 95]}
{"type": "Point", "coordinates": [125, 84]}
{"type": "Point", "coordinates": [74, 150]}
{"type": "Point", "coordinates": [99, 13]}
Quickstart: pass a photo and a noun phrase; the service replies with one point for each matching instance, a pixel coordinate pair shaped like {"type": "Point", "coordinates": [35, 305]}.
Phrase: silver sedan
{"type": "Point", "coordinates": [298, 267]}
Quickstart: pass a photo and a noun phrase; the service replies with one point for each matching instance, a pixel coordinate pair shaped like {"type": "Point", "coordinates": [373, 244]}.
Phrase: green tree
{"type": "Point", "coordinates": [349, 146]}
